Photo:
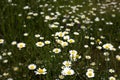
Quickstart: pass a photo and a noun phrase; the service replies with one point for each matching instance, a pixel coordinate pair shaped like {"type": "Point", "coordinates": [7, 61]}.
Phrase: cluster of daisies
{"type": "Point", "coordinates": [38, 71]}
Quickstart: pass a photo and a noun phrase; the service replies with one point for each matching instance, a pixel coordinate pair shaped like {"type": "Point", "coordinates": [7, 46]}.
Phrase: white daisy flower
{"type": "Point", "coordinates": [21, 45]}
{"type": "Point", "coordinates": [56, 50]}
{"type": "Point", "coordinates": [31, 66]}
{"type": "Point", "coordinates": [41, 71]}
{"type": "Point", "coordinates": [67, 71]}
{"type": "Point", "coordinates": [1, 41]}
{"type": "Point", "coordinates": [40, 44]}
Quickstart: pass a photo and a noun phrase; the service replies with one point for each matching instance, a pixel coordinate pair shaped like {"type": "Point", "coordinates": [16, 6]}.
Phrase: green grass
{"type": "Point", "coordinates": [12, 29]}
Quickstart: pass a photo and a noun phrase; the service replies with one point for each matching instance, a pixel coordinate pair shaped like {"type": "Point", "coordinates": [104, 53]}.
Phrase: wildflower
{"type": "Point", "coordinates": [83, 16]}
{"type": "Point", "coordinates": [67, 71]}
{"type": "Point", "coordinates": [106, 53]}
{"type": "Point", "coordinates": [59, 41]}
{"type": "Point", "coordinates": [28, 17]}
{"type": "Point", "coordinates": [99, 47]}
{"type": "Point", "coordinates": [47, 42]}
{"type": "Point", "coordinates": [67, 63]}
{"type": "Point", "coordinates": [63, 44]}
{"type": "Point", "coordinates": [112, 78]}
{"type": "Point", "coordinates": [41, 71]}
{"type": "Point", "coordinates": [5, 74]}
{"type": "Point", "coordinates": [76, 33]}
{"type": "Point", "coordinates": [26, 7]}
{"type": "Point", "coordinates": [9, 1]}
{"type": "Point", "coordinates": [15, 68]}
{"type": "Point", "coordinates": [97, 19]}
{"type": "Point", "coordinates": [61, 34]}
{"type": "Point", "coordinates": [14, 43]}
{"type": "Point", "coordinates": [9, 53]}
{"type": "Point", "coordinates": [92, 38]}
{"type": "Point", "coordinates": [31, 66]}
{"type": "Point", "coordinates": [53, 26]}
{"type": "Point", "coordinates": [1, 41]}
{"type": "Point", "coordinates": [73, 52]}
{"type": "Point", "coordinates": [41, 38]}
{"type": "Point", "coordinates": [61, 77]}
{"type": "Point", "coordinates": [67, 37]}
{"type": "Point", "coordinates": [71, 40]}
{"type": "Point", "coordinates": [25, 34]}
{"type": "Point", "coordinates": [111, 70]}
{"type": "Point", "coordinates": [47, 17]}
{"type": "Point", "coordinates": [88, 57]}
{"type": "Point", "coordinates": [37, 35]}
{"type": "Point", "coordinates": [92, 43]}
{"type": "Point", "coordinates": [35, 14]}
{"type": "Point", "coordinates": [40, 44]}
{"type": "Point", "coordinates": [4, 54]}
{"type": "Point", "coordinates": [90, 74]}
{"type": "Point", "coordinates": [86, 37]}
{"type": "Point", "coordinates": [5, 61]}
{"type": "Point", "coordinates": [108, 46]}
{"type": "Point", "coordinates": [21, 45]}
{"type": "Point", "coordinates": [56, 50]}
{"type": "Point", "coordinates": [118, 57]}
{"type": "Point", "coordinates": [10, 79]}
{"type": "Point", "coordinates": [86, 46]}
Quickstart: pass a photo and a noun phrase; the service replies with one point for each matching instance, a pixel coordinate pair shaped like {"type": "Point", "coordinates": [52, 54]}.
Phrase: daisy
{"type": "Point", "coordinates": [108, 46]}
{"type": "Point", "coordinates": [21, 45]}
{"type": "Point", "coordinates": [14, 43]}
{"type": "Point", "coordinates": [63, 44]}
{"type": "Point", "coordinates": [112, 78]}
{"type": "Point", "coordinates": [40, 44]}
{"type": "Point", "coordinates": [71, 40]}
{"type": "Point", "coordinates": [67, 63]}
{"type": "Point", "coordinates": [1, 41]}
{"type": "Point", "coordinates": [90, 74]}
{"type": "Point", "coordinates": [31, 66]}
{"type": "Point", "coordinates": [73, 52]}
{"type": "Point", "coordinates": [68, 71]}
{"type": "Point", "coordinates": [47, 42]}
{"type": "Point", "coordinates": [41, 71]}
{"type": "Point", "coordinates": [56, 50]}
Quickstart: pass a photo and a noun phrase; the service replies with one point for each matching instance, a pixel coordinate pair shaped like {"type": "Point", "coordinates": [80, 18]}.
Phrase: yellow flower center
{"type": "Point", "coordinates": [20, 46]}
{"type": "Point", "coordinates": [89, 74]}
{"type": "Point", "coordinates": [69, 72]}
{"type": "Point", "coordinates": [41, 71]}
{"type": "Point", "coordinates": [32, 67]}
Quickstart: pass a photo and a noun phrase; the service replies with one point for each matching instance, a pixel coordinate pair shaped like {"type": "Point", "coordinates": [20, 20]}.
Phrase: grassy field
{"type": "Point", "coordinates": [59, 40]}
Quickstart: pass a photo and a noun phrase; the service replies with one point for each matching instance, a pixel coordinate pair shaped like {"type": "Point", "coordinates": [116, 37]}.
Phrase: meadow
{"type": "Point", "coordinates": [59, 40]}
